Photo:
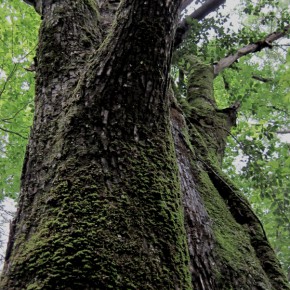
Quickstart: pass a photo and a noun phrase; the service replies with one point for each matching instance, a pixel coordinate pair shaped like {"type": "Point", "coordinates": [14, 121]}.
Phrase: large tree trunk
{"type": "Point", "coordinates": [118, 190]}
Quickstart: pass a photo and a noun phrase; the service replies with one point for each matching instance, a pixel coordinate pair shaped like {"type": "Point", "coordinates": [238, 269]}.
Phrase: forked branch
{"type": "Point", "coordinates": [185, 3]}
{"type": "Point", "coordinates": [199, 14]}
{"type": "Point", "coordinates": [250, 48]}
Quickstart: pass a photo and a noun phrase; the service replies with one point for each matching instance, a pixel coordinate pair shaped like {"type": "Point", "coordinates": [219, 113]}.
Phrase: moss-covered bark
{"type": "Point", "coordinates": [100, 206]}
{"type": "Point", "coordinates": [233, 238]}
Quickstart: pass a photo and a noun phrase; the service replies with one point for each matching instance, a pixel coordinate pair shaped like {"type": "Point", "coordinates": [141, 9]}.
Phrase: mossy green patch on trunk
{"type": "Point", "coordinates": [243, 256]}
{"type": "Point", "coordinates": [235, 254]}
{"type": "Point", "coordinates": [115, 230]}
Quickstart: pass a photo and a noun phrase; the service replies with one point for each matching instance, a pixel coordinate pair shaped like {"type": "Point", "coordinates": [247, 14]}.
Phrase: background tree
{"type": "Point", "coordinates": [18, 41]}
{"type": "Point", "coordinates": [106, 197]}
{"type": "Point", "coordinates": [19, 25]}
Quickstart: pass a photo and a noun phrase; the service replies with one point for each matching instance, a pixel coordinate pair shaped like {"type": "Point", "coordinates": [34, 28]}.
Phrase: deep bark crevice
{"type": "Point", "coordinates": [197, 222]}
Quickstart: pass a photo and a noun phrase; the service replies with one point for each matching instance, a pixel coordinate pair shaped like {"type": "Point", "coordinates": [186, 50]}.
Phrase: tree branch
{"type": "Point", "coordinates": [185, 3]}
{"type": "Point", "coordinates": [262, 79]}
{"type": "Point", "coordinates": [12, 132]}
{"type": "Point", "coordinates": [200, 13]}
{"type": "Point", "coordinates": [8, 78]}
{"type": "Point", "coordinates": [7, 120]}
{"type": "Point", "coordinates": [250, 48]}
{"type": "Point", "coordinates": [30, 2]}
{"type": "Point", "coordinates": [37, 4]}
{"type": "Point", "coordinates": [283, 132]}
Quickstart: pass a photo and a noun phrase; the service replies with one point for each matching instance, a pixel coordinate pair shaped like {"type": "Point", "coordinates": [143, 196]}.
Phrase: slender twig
{"type": "Point", "coordinates": [261, 79]}
{"type": "Point", "coordinates": [6, 120]}
{"type": "Point", "coordinates": [280, 45]}
{"type": "Point", "coordinates": [8, 78]}
{"type": "Point", "coordinates": [13, 70]}
{"type": "Point", "coordinates": [283, 132]}
{"type": "Point", "coordinates": [12, 132]}
{"type": "Point", "coordinates": [285, 111]}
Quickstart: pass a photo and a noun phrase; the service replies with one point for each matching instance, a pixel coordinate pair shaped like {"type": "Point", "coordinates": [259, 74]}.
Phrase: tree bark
{"type": "Point", "coordinates": [198, 14]}
{"type": "Point", "coordinates": [118, 190]}
{"type": "Point", "coordinates": [238, 243]}
{"type": "Point", "coordinates": [100, 181]}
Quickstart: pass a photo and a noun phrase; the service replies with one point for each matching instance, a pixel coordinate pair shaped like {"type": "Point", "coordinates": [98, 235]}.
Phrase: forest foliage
{"type": "Point", "coordinates": [257, 158]}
